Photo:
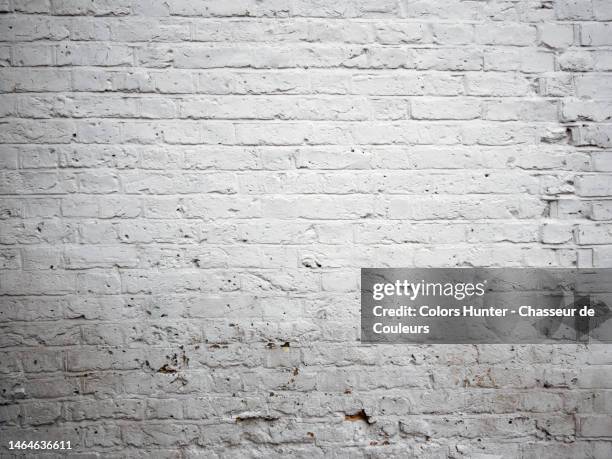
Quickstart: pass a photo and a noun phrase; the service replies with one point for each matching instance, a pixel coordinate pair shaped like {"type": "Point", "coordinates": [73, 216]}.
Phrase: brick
{"type": "Point", "coordinates": [593, 185]}
{"type": "Point", "coordinates": [594, 86]}
{"type": "Point", "coordinates": [595, 426]}
{"type": "Point", "coordinates": [602, 10]}
{"type": "Point", "coordinates": [574, 10]}
{"type": "Point", "coordinates": [595, 34]}
{"type": "Point", "coordinates": [575, 110]}
{"type": "Point", "coordinates": [602, 210]}
{"type": "Point", "coordinates": [557, 233]}
{"type": "Point", "coordinates": [505, 34]}
{"type": "Point", "coordinates": [592, 135]}
{"type": "Point", "coordinates": [602, 257]}
{"type": "Point", "coordinates": [557, 36]}
{"type": "Point", "coordinates": [594, 234]}
{"type": "Point", "coordinates": [497, 84]}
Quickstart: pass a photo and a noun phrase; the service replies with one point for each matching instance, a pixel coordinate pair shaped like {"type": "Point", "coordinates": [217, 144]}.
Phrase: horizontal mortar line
{"type": "Point", "coordinates": [469, 123]}
{"type": "Point", "coordinates": [527, 170]}
{"type": "Point", "coordinates": [204, 219]}
{"type": "Point", "coordinates": [128, 420]}
{"type": "Point", "coordinates": [227, 296]}
{"type": "Point", "coordinates": [298, 67]}
{"type": "Point", "coordinates": [305, 249]}
{"type": "Point", "coordinates": [333, 147]}
{"type": "Point", "coordinates": [229, 365]}
{"type": "Point", "coordinates": [457, 72]}
{"type": "Point", "coordinates": [204, 367]}
{"type": "Point", "coordinates": [304, 68]}
{"type": "Point", "coordinates": [194, 96]}
{"type": "Point", "coordinates": [348, 70]}
{"type": "Point", "coordinates": [390, 123]}
{"type": "Point", "coordinates": [391, 18]}
{"type": "Point", "coordinates": [126, 266]}
{"type": "Point", "coordinates": [308, 246]}
{"type": "Point", "coordinates": [442, 171]}
{"type": "Point", "coordinates": [117, 268]}
{"type": "Point", "coordinates": [111, 295]}
{"type": "Point", "coordinates": [394, 392]}
{"type": "Point", "coordinates": [291, 191]}
{"type": "Point", "coordinates": [203, 296]}
{"type": "Point", "coordinates": [188, 173]}
{"type": "Point", "coordinates": [94, 373]}
{"type": "Point", "coordinates": [405, 145]}
{"type": "Point", "coordinates": [230, 419]}
{"type": "Point", "coordinates": [430, 43]}
{"type": "Point", "coordinates": [191, 170]}
{"type": "Point", "coordinates": [211, 220]}
{"type": "Point", "coordinates": [385, 242]}
{"type": "Point", "coordinates": [310, 94]}
{"type": "Point", "coordinates": [364, 392]}
{"type": "Point", "coordinates": [530, 96]}
{"type": "Point", "coordinates": [246, 119]}
{"type": "Point", "coordinates": [293, 172]}
{"type": "Point", "coordinates": [258, 221]}
{"type": "Point", "coordinates": [306, 41]}
{"type": "Point", "coordinates": [146, 324]}
{"type": "Point", "coordinates": [286, 194]}
{"type": "Point", "coordinates": [290, 195]}
{"type": "Point", "coordinates": [122, 269]}
{"type": "Point", "coordinates": [333, 415]}
{"type": "Point", "coordinates": [225, 271]}
{"type": "Point", "coordinates": [336, 413]}
{"type": "Point", "coordinates": [279, 41]}
{"type": "Point", "coordinates": [554, 147]}
{"type": "Point", "coordinates": [532, 93]}
{"type": "Point", "coordinates": [322, 192]}
{"type": "Point", "coordinates": [294, 344]}
{"type": "Point", "coordinates": [231, 345]}
{"type": "Point", "coordinates": [368, 120]}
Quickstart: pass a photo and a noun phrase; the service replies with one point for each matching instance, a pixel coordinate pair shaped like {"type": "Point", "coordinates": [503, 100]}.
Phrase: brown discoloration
{"type": "Point", "coordinates": [360, 415]}
{"type": "Point", "coordinates": [256, 417]}
{"type": "Point", "coordinates": [167, 369]}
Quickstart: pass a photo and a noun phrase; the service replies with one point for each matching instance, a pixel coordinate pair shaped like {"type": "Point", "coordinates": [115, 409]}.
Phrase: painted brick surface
{"type": "Point", "coordinates": [188, 189]}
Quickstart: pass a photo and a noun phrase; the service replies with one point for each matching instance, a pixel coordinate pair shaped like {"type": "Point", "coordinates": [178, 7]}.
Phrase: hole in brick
{"type": "Point", "coordinates": [360, 415]}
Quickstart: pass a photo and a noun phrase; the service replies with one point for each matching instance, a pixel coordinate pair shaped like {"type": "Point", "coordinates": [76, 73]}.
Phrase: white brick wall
{"type": "Point", "coordinates": [189, 188]}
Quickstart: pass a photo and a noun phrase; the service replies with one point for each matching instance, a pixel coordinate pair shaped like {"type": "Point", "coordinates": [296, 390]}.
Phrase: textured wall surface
{"type": "Point", "coordinates": [190, 187]}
